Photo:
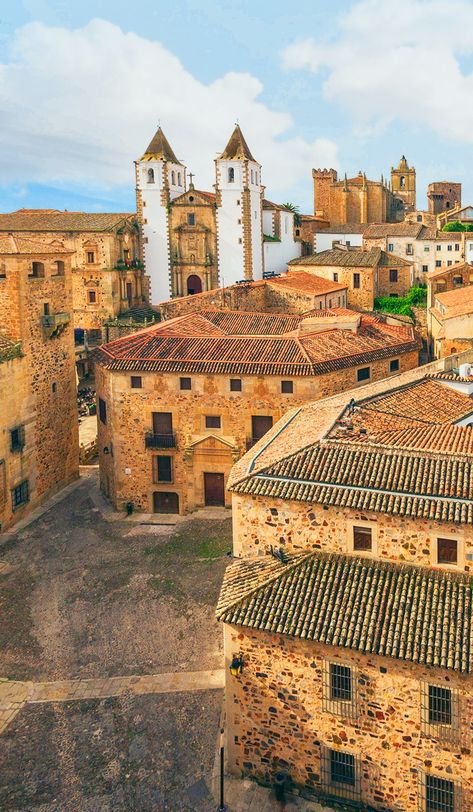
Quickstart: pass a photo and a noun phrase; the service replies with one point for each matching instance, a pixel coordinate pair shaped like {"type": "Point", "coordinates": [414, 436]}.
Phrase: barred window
{"type": "Point", "coordinates": [439, 712]}
{"type": "Point", "coordinates": [339, 690]}
{"type": "Point", "coordinates": [438, 794]}
{"type": "Point", "coordinates": [340, 774]}
{"type": "Point", "coordinates": [20, 494]}
{"type": "Point", "coordinates": [17, 438]}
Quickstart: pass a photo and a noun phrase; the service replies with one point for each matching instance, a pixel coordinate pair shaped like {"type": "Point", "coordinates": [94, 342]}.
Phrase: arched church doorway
{"type": "Point", "coordinates": [194, 284]}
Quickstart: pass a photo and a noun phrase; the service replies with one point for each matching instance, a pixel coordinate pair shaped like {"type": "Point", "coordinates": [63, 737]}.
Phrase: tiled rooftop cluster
{"type": "Point", "coordinates": [52, 220]}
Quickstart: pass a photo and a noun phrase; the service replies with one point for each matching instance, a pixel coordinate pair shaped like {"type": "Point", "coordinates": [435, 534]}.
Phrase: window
{"type": "Point", "coordinates": [447, 551]}
{"type": "Point", "coordinates": [425, 268]}
{"type": "Point", "coordinates": [438, 247]}
{"type": "Point", "coordinates": [92, 296]}
{"type": "Point", "coordinates": [191, 219]}
{"type": "Point", "coordinates": [340, 682]}
{"type": "Point", "coordinates": [438, 794]}
{"type": "Point", "coordinates": [20, 494]}
{"type": "Point", "coordinates": [394, 365]}
{"type": "Point", "coordinates": [438, 263]}
{"type": "Point", "coordinates": [419, 218]}
{"type": "Point", "coordinates": [90, 256]}
{"type": "Point", "coordinates": [136, 382]}
{"type": "Point", "coordinates": [252, 176]}
{"type": "Point", "coordinates": [439, 711]}
{"type": "Point", "coordinates": [102, 411]}
{"type": "Point", "coordinates": [37, 270]}
{"type": "Point", "coordinates": [287, 387]}
{"type": "Point", "coordinates": [363, 374]}
{"type": "Point", "coordinates": [449, 262]}
{"type": "Point", "coordinates": [163, 469]}
{"type": "Point", "coordinates": [347, 243]}
{"type": "Point", "coordinates": [150, 176]}
{"type": "Point", "coordinates": [240, 240]}
{"type": "Point", "coordinates": [362, 539]}
{"type": "Point", "coordinates": [449, 247]}
{"type": "Point", "coordinates": [339, 689]}
{"type": "Point", "coordinates": [335, 277]}
{"type": "Point", "coordinates": [231, 175]}
{"type": "Point", "coordinates": [173, 178]}
{"type": "Point", "coordinates": [179, 179]}
{"type": "Point", "coordinates": [409, 249]}
{"type": "Point", "coordinates": [235, 384]}
{"type": "Point", "coordinates": [59, 267]}
{"type": "Point", "coordinates": [46, 309]}
{"type": "Point", "coordinates": [17, 438]}
{"type": "Point", "coordinates": [340, 774]}
{"type": "Point", "coordinates": [402, 182]}
{"type": "Point", "coordinates": [356, 280]}
{"type": "Point", "coordinates": [457, 246]}
{"type": "Point", "coordinates": [427, 248]}
{"type": "Point", "coordinates": [392, 275]}
{"type": "Point", "coordinates": [213, 421]}
{"type": "Point", "coordinates": [54, 388]}
{"type": "Point", "coordinates": [298, 232]}
{"type": "Point", "coordinates": [457, 281]}
{"type": "Point", "coordinates": [390, 247]}
{"type": "Point", "coordinates": [185, 383]}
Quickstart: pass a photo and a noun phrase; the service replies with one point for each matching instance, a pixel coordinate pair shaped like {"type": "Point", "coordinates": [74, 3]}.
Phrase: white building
{"type": "Point", "coordinates": [279, 246]}
{"type": "Point", "coordinates": [349, 234]}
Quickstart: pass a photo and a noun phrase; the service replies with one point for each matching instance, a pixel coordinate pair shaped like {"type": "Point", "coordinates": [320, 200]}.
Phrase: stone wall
{"type": "Point", "coordinates": [276, 719]}
{"type": "Point", "coordinates": [400, 287]}
{"type": "Point", "coordinates": [362, 297]}
{"type": "Point", "coordinates": [197, 447]}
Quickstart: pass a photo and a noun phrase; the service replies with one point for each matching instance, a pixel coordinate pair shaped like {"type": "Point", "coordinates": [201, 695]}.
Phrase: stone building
{"type": "Point", "coordinates": [196, 391]}
{"type": "Point", "coordinates": [403, 185]}
{"type": "Point", "coordinates": [366, 274]}
{"type": "Point", "coordinates": [348, 617]}
{"type": "Point", "coordinates": [444, 195]}
{"type": "Point", "coordinates": [39, 446]}
{"type": "Point", "coordinates": [450, 309]}
{"type": "Point", "coordinates": [107, 274]}
{"type": "Point", "coordinates": [195, 240]}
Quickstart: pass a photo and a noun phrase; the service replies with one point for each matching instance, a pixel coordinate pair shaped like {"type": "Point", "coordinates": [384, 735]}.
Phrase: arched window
{"type": "Point", "coordinates": [37, 270]}
{"type": "Point", "coordinates": [402, 181]}
{"type": "Point", "coordinates": [173, 178]}
{"type": "Point", "coordinates": [150, 175]}
{"type": "Point", "coordinates": [231, 175]}
{"type": "Point", "coordinates": [194, 284]}
{"type": "Point", "coordinates": [179, 182]}
{"type": "Point", "coordinates": [419, 218]}
{"type": "Point", "coordinates": [59, 267]}
{"type": "Point", "coordinates": [457, 281]}
{"type": "Point", "coordinates": [252, 176]}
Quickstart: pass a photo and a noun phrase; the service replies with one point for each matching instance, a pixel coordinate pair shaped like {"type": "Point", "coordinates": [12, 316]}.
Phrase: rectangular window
{"type": "Point", "coordinates": [457, 246]}
{"type": "Point", "coordinates": [449, 262]}
{"type": "Point", "coordinates": [92, 296]}
{"type": "Point", "coordinates": [438, 247]}
{"type": "Point", "coordinates": [440, 705]}
{"type": "Point", "coordinates": [340, 683]}
{"type": "Point", "coordinates": [287, 387]}
{"type": "Point", "coordinates": [20, 494]}
{"type": "Point", "coordinates": [362, 539]}
{"type": "Point", "coordinates": [342, 768]}
{"type": "Point", "coordinates": [185, 383]}
{"type": "Point", "coordinates": [102, 411]}
{"type": "Point", "coordinates": [54, 388]}
{"type": "Point", "coordinates": [439, 795]}
{"type": "Point", "coordinates": [340, 774]}
{"type": "Point", "coordinates": [438, 263]}
{"type": "Point", "coordinates": [425, 268]}
{"type": "Point", "coordinates": [426, 247]}
{"type": "Point", "coordinates": [394, 365]}
{"type": "Point", "coordinates": [17, 438]}
{"type": "Point", "coordinates": [449, 247]}
{"type": "Point", "coordinates": [163, 469]}
{"type": "Point", "coordinates": [356, 280]}
{"type": "Point", "coordinates": [213, 421]}
{"type": "Point", "coordinates": [136, 382]}
{"type": "Point", "coordinates": [447, 551]}
{"type": "Point", "coordinates": [335, 277]}
{"type": "Point", "coordinates": [393, 275]}
{"type": "Point", "coordinates": [390, 247]}
{"type": "Point", "coordinates": [409, 249]}
{"type": "Point", "coordinates": [235, 384]}
{"type": "Point", "coordinates": [363, 374]}
{"type": "Point", "coordinates": [90, 256]}
{"type": "Point", "coordinates": [191, 219]}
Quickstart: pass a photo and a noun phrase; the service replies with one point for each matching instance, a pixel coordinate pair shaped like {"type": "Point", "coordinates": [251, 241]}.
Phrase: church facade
{"type": "Point", "coordinates": [196, 240]}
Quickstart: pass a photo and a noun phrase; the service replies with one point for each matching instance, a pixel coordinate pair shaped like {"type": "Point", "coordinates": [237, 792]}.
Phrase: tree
{"type": "Point", "coordinates": [296, 212]}
{"type": "Point", "coordinates": [454, 225]}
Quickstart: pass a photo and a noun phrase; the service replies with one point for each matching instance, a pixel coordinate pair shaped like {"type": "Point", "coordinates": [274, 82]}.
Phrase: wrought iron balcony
{"type": "Point", "coordinates": [160, 440]}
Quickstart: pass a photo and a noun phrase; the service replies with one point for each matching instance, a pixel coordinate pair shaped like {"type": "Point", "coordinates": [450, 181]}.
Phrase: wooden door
{"type": "Point", "coordinates": [260, 424]}
{"type": "Point", "coordinates": [214, 487]}
{"type": "Point", "coordinates": [162, 423]}
{"type": "Point", "coordinates": [165, 502]}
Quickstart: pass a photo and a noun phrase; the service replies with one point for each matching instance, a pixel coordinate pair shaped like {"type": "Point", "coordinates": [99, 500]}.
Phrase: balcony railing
{"type": "Point", "coordinates": [160, 440]}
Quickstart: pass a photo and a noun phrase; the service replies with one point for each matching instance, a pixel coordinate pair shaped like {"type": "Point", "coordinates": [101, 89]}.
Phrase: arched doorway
{"type": "Point", "coordinates": [194, 284]}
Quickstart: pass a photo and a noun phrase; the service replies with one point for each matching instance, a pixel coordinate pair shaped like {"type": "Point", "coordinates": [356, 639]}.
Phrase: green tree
{"type": "Point", "coordinates": [454, 225]}
{"type": "Point", "coordinates": [296, 212]}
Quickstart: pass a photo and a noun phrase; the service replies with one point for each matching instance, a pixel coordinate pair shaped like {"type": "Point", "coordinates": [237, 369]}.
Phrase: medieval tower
{"type": "Point", "coordinates": [403, 184]}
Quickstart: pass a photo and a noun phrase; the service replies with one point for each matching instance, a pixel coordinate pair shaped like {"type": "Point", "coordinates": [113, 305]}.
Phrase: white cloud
{"type": "Point", "coordinates": [79, 106]}
{"type": "Point", "coordinates": [397, 60]}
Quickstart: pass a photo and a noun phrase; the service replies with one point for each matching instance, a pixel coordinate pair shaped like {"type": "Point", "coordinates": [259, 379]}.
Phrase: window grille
{"type": "Point", "coordinates": [438, 794]}
{"type": "Point", "coordinates": [340, 774]}
{"type": "Point", "coordinates": [439, 712]}
{"type": "Point", "coordinates": [339, 690]}
{"type": "Point", "coordinates": [20, 494]}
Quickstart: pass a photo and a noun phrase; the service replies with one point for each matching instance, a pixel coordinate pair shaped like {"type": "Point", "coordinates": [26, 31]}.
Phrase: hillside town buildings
{"type": "Point", "coordinates": [196, 391]}
{"type": "Point", "coordinates": [198, 240]}
{"type": "Point", "coordinates": [39, 449]}
{"type": "Point", "coordinates": [347, 618]}
{"type": "Point", "coordinates": [450, 309]}
{"type": "Point", "coordinates": [443, 196]}
{"type": "Point", "coordinates": [367, 274]}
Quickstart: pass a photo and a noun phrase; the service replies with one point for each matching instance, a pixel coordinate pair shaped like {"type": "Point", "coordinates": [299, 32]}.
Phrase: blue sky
{"type": "Point", "coordinates": [351, 83]}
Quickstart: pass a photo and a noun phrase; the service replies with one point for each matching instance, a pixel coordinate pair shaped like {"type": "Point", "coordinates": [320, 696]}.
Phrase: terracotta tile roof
{"type": "Point", "coordinates": [19, 245]}
{"type": "Point", "coordinates": [397, 453]}
{"type": "Point", "coordinates": [237, 148]}
{"type": "Point", "coordinates": [268, 204]}
{"type": "Point", "coordinates": [378, 230]}
{"type": "Point", "coordinates": [379, 608]}
{"type": "Point", "coordinates": [450, 270]}
{"type": "Point", "coordinates": [306, 283]}
{"type": "Point", "coordinates": [226, 342]}
{"type": "Point", "coordinates": [345, 228]}
{"type": "Point", "coordinates": [49, 220]}
{"type": "Point", "coordinates": [159, 149]}
{"type": "Point", "coordinates": [458, 302]}
{"type": "Point", "coordinates": [352, 258]}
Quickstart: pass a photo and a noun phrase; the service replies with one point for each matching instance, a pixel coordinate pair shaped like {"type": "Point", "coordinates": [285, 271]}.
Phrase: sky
{"type": "Point", "coordinates": [351, 84]}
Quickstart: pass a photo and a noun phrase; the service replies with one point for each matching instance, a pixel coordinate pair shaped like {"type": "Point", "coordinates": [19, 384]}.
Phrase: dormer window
{"type": "Point", "coordinates": [231, 175]}
{"type": "Point", "coordinates": [150, 175]}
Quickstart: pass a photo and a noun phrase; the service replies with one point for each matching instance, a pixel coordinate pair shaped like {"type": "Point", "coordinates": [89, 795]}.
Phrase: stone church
{"type": "Point", "coordinates": [196, 240]}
